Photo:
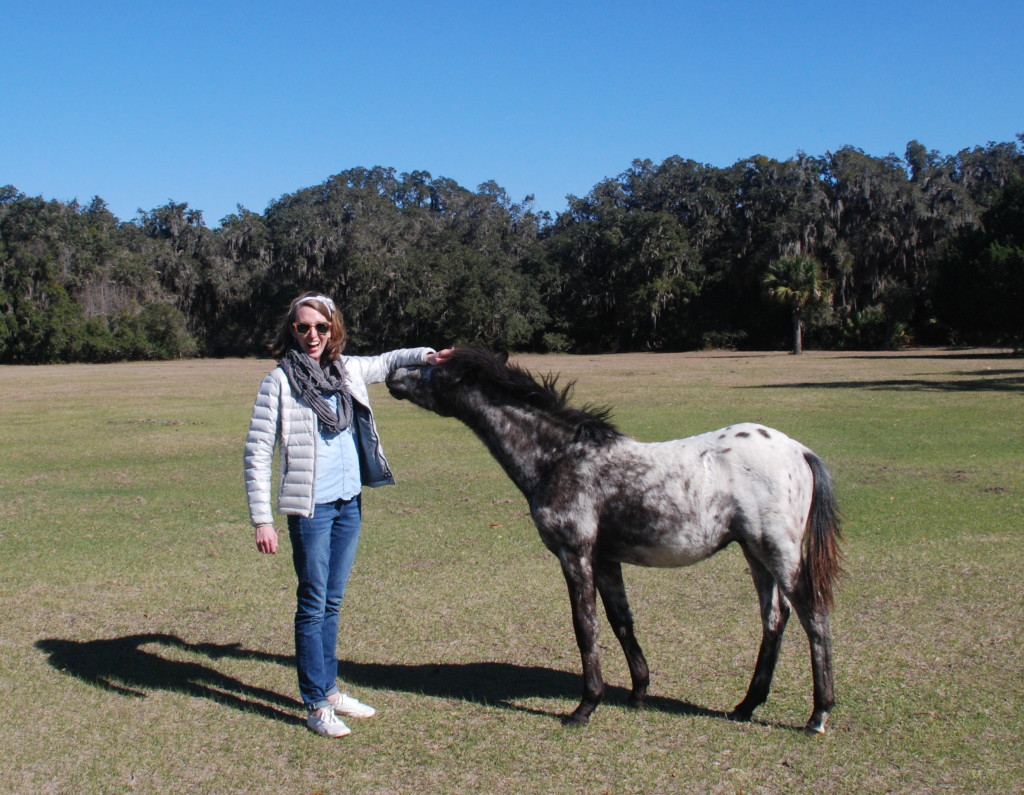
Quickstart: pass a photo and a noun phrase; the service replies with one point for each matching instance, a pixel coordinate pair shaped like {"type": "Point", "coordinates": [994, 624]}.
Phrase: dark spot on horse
{"type": "Point", "coordinates": [764, 433]}
{"type": "Point", "coordinates": [725, 450]}
{"type": "Point", "coordinates": [737, 524]}
{"type": "Point", "coordinates": [742, 434]}
{"type": "Point", "coordinates": [721, 437]}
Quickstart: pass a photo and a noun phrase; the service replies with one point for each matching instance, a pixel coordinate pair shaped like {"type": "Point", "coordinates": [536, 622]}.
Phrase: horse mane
{"type": "Point", "coordinates": [476, 364]}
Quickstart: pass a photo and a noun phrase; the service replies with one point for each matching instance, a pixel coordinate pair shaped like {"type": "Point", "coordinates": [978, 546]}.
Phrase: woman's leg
{"type": "Point", "coordinates": [311, 554]}
{"type": "Point", "coordinates": [347, 521]}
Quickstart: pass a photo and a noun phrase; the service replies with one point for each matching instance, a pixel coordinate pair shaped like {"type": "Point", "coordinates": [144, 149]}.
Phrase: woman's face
{"type": "Point", "coordinates": [311, 342]}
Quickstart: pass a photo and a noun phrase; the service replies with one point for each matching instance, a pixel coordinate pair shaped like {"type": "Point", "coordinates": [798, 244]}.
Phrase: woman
{"type": "Point", "coordinates": [315, 406]}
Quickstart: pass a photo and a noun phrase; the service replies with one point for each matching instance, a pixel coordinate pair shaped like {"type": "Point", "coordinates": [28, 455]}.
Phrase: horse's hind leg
{"type": "Point", "coordinates": [775, 611]}
{"type": "Point", "coordinates": [579, 577]}
{"type": "Point", "coordinates": [613, 593]}
{"type": "Point", "coordinates": [816, 624]}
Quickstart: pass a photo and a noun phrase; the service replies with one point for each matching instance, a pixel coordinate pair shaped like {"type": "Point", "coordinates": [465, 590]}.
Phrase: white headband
{"type": "Point", "coordinates": [321, 298]}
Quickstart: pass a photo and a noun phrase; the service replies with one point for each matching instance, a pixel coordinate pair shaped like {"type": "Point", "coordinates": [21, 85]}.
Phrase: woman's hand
{"type": "Point", "coordinates": [266, 539]}
{"type": "Point", "coordinates": [440, 357]}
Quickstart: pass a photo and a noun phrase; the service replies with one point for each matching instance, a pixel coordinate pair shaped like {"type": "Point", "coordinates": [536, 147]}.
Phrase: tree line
{"type": "Point", "coordinates": [845, 250]}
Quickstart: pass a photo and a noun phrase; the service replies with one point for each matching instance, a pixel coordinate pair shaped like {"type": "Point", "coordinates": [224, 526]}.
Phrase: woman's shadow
{"type": "Point", "coordinates": [123, 665]}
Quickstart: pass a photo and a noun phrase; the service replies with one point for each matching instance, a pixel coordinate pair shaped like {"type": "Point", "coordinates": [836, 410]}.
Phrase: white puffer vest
{"type": "Point", "coordinates": [279, 418]}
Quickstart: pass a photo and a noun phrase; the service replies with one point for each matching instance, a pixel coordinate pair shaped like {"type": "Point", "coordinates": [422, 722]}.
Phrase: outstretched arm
{"type": "Point", "coordinates": [440, 357]}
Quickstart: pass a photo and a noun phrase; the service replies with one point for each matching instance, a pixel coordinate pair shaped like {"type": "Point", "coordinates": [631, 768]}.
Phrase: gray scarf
{"type": "Point", "coordinates": [311, 382]}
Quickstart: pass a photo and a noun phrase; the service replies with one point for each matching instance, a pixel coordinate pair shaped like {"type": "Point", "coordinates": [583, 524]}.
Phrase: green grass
{"type": "Point", "coordinates": [145, 646]}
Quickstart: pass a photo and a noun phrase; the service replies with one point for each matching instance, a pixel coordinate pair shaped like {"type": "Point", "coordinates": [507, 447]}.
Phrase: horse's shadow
{"type": "Point", "coordinates": [122, 665]}
{"type": "Point", "coordinates": [497, 684]}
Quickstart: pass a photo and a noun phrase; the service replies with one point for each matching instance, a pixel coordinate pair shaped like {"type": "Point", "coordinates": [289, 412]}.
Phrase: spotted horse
{"type": "Point", "coordinates": [600, 499]}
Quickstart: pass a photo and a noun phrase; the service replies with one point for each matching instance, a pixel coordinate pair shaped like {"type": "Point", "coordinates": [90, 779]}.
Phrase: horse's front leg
{"type": "Point", "coordinates": [610, 585]}
{"type": "Point", "coordinates": [579, 577]}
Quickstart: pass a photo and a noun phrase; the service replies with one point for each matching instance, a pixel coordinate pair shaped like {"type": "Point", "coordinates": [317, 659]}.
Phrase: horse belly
{"type": "Point", "coordinates": [665, 557]}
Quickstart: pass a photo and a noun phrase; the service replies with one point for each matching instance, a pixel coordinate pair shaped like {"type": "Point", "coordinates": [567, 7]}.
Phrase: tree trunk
{"type": "Point", "coordinates": [798, 333]}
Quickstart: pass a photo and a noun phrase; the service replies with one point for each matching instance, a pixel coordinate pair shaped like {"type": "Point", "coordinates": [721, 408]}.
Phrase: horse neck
{"type": "Point", "coordinates": [524, 440]}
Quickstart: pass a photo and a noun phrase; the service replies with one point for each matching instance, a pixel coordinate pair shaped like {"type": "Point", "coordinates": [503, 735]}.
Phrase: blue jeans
{"type": "Point", "coordinates": [323, 550]}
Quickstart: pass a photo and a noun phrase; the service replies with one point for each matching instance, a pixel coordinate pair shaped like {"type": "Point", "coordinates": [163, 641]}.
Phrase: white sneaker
{"type": "Point", "coordinates": [323, 721]}
{"type": "Point", "coordinates": [352, 708]}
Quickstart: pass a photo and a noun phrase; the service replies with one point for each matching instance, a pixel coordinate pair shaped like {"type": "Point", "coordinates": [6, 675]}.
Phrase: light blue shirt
{"type": "Point", "coordinates": [337, 463]}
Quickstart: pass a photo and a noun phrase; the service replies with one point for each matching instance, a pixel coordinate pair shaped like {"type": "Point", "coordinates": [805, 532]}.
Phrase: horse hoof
{"type": "Point", "coordinates": [575, 719]}
{"type": "Point", "coordinates": [815, 728]}
{"type": "Point", "coordinates": [816, 724]}
{"type": "Point", "coordinates": [740, 715]}
{"type": "Point", "coordinates": [635, 702]}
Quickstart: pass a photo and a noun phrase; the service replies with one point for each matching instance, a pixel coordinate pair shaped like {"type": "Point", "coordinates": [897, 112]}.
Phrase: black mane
{"type": "Point", "coordinates": [476, 364]}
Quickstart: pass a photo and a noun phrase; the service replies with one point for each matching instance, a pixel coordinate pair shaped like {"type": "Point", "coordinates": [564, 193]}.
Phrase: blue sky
{"type": "Point", "coordinates": [224, 103]}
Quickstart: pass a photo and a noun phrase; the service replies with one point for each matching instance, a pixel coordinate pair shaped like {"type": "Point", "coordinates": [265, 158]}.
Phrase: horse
{"type": "Point", "coordinates": [600, 498]}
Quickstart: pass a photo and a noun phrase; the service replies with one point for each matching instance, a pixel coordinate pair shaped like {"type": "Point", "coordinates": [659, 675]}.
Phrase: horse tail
{"type": "Point", "coordinates": [822, 556]}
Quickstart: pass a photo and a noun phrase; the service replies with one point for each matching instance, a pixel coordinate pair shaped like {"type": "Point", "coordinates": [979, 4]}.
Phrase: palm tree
{"type": "Point", "coordinates": [797, 282]}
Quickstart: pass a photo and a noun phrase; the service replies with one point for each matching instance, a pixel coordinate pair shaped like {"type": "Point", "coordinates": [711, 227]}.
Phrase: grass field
{"type": "Point", "coordinates": [146, 647]}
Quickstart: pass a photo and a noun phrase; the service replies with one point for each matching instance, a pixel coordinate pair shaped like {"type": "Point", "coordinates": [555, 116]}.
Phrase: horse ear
{"type": "Point", "coordinates": [503, 357]}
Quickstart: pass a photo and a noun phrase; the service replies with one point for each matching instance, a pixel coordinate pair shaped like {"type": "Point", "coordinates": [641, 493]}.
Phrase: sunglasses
{"type": "Point", "coordinates": [303, 328]}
